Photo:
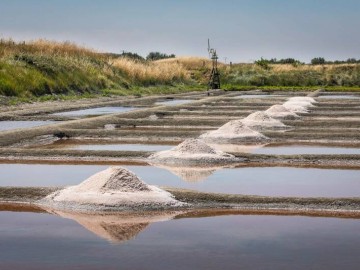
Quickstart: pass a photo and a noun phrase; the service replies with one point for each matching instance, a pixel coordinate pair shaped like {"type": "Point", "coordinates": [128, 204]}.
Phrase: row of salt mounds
{"type": "Point", "coordinates": [261, 120]}
{"type": "Point", "coordinates": [233, 132]}
{"type": "Point", "coordinates": [192, 152]}
{"type": "Point", "coordinates": [281, 112]}
{"type": "Point", "coordinates": [115, 187]}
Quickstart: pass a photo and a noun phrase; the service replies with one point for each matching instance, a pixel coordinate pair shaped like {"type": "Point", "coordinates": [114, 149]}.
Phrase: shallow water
{"type": "Point", "coordinates": [306, 150]}
{"type": "Point", "coordinates": [267, 181]}
{"type": "Point", "coordinates": [174, 102]}
{"type": "Point", "coordinates": [339, 96]}
{"type": "Point", "coordinates": [112, 147]}
{"type": "Point", "coordinates": [9, 125]}
{"type": "Point", "coordinates": [95, 111]}
{"type": "Point", "coordinates": [44, 241]}
{"type": "Point", "coordinates": [256, 96]}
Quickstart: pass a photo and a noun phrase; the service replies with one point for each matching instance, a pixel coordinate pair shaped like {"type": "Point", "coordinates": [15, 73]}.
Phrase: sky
{"type": "Point", "coordinates": [240, 30]}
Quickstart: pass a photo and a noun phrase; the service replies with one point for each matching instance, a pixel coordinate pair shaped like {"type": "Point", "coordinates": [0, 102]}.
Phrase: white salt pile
{"type": "Point", "coordinates": [192, 152]}
{"type": "Point", "coordinates": [153, 117]}
{"type": "Point", "coordinates": [307, 99]}
{"type": "Point", "coordinates": [305, 104]}
{"type": "Point", "coordinates": [233, 132]}
{"type": "Point", "coordinates": [261, 120]}
{"type": "Point", "coordinates": [115, 187]}
{"type": "Point", "coordinates": [280, 112]}
{"type": "Point", "coordinates": [110, 126]}
{"type": "Point", "coordinates": [295, 107]}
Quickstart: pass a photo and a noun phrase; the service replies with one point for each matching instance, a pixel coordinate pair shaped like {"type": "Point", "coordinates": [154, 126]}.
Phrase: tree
{"type": "Point", "coordinates": [152, 56]}
{"type": "Point", "coordinates": [318, 61]}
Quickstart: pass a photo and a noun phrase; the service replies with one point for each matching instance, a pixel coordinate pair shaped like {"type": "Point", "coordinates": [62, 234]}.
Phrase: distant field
{"type": "Point", "coordinates": [44, 70]}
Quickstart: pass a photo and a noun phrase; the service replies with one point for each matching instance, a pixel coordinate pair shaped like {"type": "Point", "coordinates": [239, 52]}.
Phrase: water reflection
{"type": "Point", "coordinates": [9, 125]}
{"type": "Point", "coordinates": [191, 174]}
{"type": "Point", "coordinates": [94, 111]}
{"type": "Point", "coordinates": [174, 102]}
{"type": "Point", "coordinates": [116, 227]}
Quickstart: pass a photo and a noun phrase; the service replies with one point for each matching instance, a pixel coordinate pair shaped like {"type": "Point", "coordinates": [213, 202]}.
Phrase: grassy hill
{"type": "Point", "coordinates": [45, 68]}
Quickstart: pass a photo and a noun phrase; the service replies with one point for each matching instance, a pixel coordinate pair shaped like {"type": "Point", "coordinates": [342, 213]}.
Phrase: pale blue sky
{"type": "Point", "coordinates": [241, 30]}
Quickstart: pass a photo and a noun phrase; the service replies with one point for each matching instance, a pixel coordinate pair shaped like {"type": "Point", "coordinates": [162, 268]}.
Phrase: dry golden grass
{"type": "Point", "coordinates": [152, 71]}
{"type": "Point", "coordinates": [45, 47]}
{"type": "Point", "coordinates": [187, 62]}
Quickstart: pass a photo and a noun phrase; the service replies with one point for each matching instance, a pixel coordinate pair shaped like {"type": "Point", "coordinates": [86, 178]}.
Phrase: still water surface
{"type": "Point", "coordinates": [267, 181]}
{"type": "Point", "coordinates": [110, 147]}
{"type": "Point", "coordinates": [44, 241]}
{"type": "Point", "coordinates": [95, 111]}
{"type": "Point", "coordinates": [9, 125]}
{"type": "Point", "coordinates": [174, 102]}
{"type": "Point", "coordinates": [306, 150]}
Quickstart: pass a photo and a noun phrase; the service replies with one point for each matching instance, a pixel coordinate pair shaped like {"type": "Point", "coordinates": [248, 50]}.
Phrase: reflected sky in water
{"type": "Point", "coordinates": [267, 181]}
{"type": "Point", "coordinates": [44, 241]}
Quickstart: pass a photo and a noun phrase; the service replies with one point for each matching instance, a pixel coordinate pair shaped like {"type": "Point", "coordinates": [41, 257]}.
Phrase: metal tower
{"type": "Point", "coordinates": [214, 82]}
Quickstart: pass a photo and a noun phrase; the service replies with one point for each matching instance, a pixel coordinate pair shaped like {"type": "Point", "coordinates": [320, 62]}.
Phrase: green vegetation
{"type": "Point", "coordinates": [44, 70]}
{"type": "Point", "coordinates": [264, 74]}
{"type": "Point", "coordinates": [153, 56]}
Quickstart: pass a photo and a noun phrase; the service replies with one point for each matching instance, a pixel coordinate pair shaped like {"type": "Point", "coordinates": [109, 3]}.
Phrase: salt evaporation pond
{"type": "Point", "coordinates": [174, 102]}
{"type": "Point", "coordinates": [112, 147]}
{"type": "Point", "coordinates": [44, 241]}
{"type": "Point", "coordinates": [256, 96]}
{"type": "Point", "coordinates": [306, 150]}
{"type": "Point", "coordinates": [95, 111]}
{"type": "Point", "coordinates": [339, 96]}
{"type": "Point", "coordinates": [9, 125]}
{"type": "Point", "coordinates": [266, 181]}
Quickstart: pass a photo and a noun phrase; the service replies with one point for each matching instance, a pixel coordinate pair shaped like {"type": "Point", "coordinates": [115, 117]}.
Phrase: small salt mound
{"type": "Point", "coordinates": [304, 104]}
{"type": "Point", "coordinates": [233, 131]}
{"type": "Point", "coordinates": [115, 187]}
{"type": "Point", "coordinates": [294, 107]}
{"type": "Point", "coordinates": [153, 117]}
{"type": "Point", "coordinates": [192, 152]}
{"type": "Point", "coordinates": [308, 99]}
{"type": "Point", "coordinates": [110, 126]}
{"type": "Point", "coordinates": [262, 120]}
{"type": "Point", "coordinates": [280, 112]}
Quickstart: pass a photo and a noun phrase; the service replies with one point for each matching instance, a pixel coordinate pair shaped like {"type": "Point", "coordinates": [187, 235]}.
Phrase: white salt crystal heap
{"type": "Point", "coordinates": [233, 132]}
{"type": "Point", "coordinates": [192, 152]}
{"type": "Point", "coordinates": [307, 99]}
{"type": "Point", "coordinates": [261, 120]}
{"type": "Point", "coordinates": [115, 187]}
{"type": "Point", "coordinates": [299, 104]}
{"type": "Point", "coordinates": [280, 112]}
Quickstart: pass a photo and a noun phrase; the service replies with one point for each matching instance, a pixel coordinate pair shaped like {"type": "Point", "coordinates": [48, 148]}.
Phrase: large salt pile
{"type": "Point", "coordinates": [115, 187]}
{"type": "Point", "coordinates": [192, 152]}
{"type": "Point", "coordinates": [233, 132]}
{"type": "Point", "coordinates": [261, 120]}
{"type": "Point", "coordinates": [280, 112]}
